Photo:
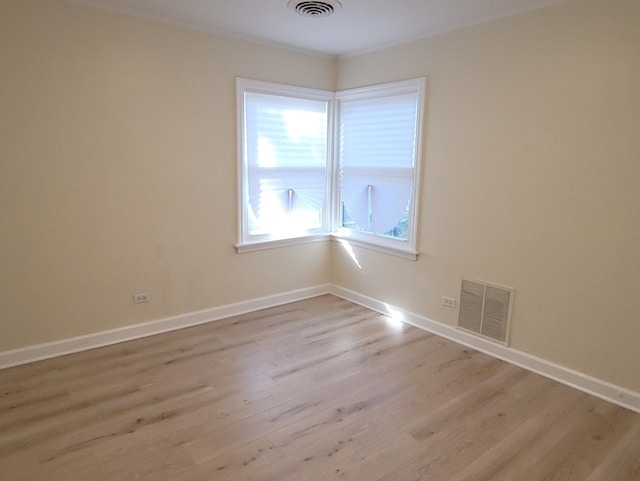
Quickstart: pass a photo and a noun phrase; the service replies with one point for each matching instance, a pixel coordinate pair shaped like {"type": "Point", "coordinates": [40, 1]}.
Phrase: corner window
{"type": "Point", "coordinates": [296, 185]}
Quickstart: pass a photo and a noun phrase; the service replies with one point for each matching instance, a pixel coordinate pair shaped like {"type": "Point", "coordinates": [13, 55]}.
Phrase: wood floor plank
{"type": "Point", "coordinates": [320, 390]}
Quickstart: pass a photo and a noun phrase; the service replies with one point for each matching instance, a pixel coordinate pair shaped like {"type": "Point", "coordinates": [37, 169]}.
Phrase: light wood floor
{"type": "Point", "coordinates": [316, 390]}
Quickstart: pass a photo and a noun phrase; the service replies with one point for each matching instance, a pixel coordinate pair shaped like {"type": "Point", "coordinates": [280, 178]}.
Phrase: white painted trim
{"type": "Point", "coordinates": [403, 248]}
{"type": "Point", "coordinates": [384, 249]}
{"type": "Point", "coordinates": [294, 241]}
{"type": "Point", "coordinates": [276, 243]}
{"type": "Point", "coordinates": [597, 387]}
{"type": "Point", "coordinates": [591, 385]}
{"type": "Point", "coordinates": [244, 86]}
{"type": "Point", "coordinates": [48, 350]}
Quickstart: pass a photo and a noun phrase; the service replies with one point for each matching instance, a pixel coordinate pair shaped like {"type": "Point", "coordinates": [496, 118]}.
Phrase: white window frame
{"type": "Point", "coordinates": [332, 223]}
{"type": "Point", "coordinates": [404, 248]}
{"type": "Point", "coordinates": [246, 241]}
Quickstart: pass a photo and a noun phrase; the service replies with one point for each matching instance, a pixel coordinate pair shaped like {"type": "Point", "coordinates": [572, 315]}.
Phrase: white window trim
{"type": "Point", "coordinates": [247, 242]}
{"type": "Point", "coordinates": [408, 248]}
{"type": "Point", "coordinates": [332, 223]}
{"type": "Point", "coordinates": [277, 243]}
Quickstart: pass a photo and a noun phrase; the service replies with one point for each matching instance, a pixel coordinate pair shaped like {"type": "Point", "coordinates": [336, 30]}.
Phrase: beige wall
{"type": "Point", "coordinates": [118, 162]}
{"type": "Point", "coordinates": [118, 171]}
{"type": "Point", "coordinates": [531, 180]}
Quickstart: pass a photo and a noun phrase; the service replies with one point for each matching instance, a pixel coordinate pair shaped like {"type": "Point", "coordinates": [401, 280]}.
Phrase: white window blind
{"type": "Point", "coordinates": [286, 158]}
{"type": "Point", "coordinates": [377, 152]}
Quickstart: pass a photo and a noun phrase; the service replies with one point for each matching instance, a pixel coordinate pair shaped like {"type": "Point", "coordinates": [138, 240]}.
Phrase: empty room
{"type": "Point", "coordinates": [320, 240]}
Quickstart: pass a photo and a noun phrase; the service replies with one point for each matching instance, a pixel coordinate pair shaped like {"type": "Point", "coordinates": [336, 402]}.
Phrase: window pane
{"type": "Point", "coordinates": [286, 144]}
{"type": "Point", "coordinates": [286, 202]}
{"type": "Point", "coordinates": [399, 231]}
{"type": "Point", "coordinates": [377, 157]}
{"type": "Point", "coordinates": [285, 132]}
{"type": "Point", "coordinates": [378, 132]}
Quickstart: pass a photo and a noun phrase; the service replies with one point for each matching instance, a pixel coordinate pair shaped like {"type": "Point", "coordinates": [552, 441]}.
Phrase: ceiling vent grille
{"type": "Point", "coordinates": [317, 8]}
{"type": "Point", "coordinates": [485, 309]}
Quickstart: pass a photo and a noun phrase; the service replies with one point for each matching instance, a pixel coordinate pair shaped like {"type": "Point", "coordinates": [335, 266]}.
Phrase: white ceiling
{"type": "Point", "coordinates": [361, 25]}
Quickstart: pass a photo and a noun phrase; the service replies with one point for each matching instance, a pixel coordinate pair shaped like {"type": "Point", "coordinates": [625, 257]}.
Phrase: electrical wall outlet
{"type": "Point", "coordinates": [140, 298]}
{"type": "Point", "coordinates": [448, 302]}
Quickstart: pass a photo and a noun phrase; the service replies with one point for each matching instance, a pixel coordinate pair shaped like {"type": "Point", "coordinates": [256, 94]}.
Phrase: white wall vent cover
{"type": "Point", "coordinates": [485, 309]}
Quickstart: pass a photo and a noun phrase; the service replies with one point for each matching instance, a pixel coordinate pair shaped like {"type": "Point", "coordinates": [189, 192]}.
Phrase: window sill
{"type": "Point", "coordinates": [393, 251]}
{"type": "Point", "coordinates": [277, 243]}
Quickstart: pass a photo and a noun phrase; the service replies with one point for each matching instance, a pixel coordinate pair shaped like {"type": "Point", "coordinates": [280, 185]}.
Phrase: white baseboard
{"type": "Point", "coordinates": [48, 350]}
{"type": "Point", "coordinates": [597, 387]}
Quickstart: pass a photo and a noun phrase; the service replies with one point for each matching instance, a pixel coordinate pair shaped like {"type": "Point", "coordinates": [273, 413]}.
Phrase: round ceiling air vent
{"type": "Point", "coordinates": [314, 8]}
